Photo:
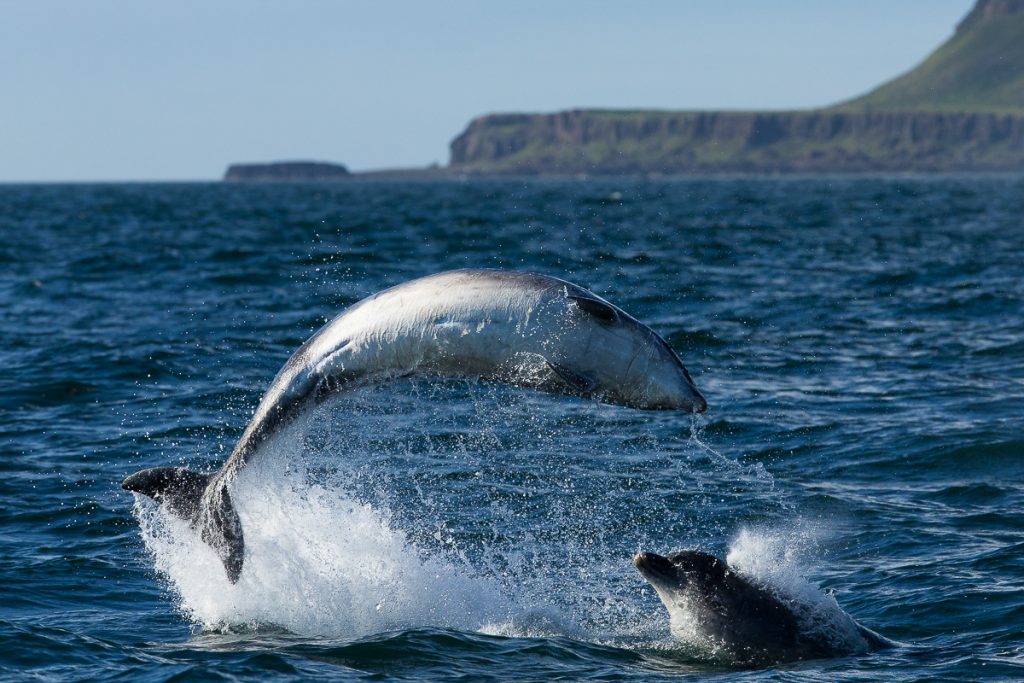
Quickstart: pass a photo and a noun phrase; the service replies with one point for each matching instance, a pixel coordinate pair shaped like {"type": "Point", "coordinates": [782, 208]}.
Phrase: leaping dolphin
{"type": "Point", "coordinates": [741, 620]}
{"type": "Point", "coordinates": [519, 328]}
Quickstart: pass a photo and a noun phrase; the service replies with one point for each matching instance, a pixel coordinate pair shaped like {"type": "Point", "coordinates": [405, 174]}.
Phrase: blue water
{"type": "Point", "coordinates": [860, 343]}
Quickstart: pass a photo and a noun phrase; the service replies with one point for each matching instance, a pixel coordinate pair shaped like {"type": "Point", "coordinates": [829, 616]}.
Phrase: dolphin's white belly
{"type": "Point", "coordinates": [525, 329]}
{"type": "Point", "coordinates": [475, 332]}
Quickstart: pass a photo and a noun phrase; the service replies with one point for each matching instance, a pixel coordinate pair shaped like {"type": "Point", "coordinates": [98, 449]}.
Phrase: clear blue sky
{"type": "Point", "coordinates": [163, 90]}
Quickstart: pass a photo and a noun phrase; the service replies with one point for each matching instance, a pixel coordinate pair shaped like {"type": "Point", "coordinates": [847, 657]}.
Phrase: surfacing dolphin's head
{"type": "Point", "coordinates": [722, 610]}
{"type": "Point", "coordinates": [688, 575]}
{"type": "Point", "coordinates": [627, 363]}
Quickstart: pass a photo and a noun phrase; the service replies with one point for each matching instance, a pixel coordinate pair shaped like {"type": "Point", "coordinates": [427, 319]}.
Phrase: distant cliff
{"type": "Point", "coordinates": [286, 171]}
{"type": "Point", "coordinates": [962, 109]}
{"type": "Point", "coordinates": [611, 142]}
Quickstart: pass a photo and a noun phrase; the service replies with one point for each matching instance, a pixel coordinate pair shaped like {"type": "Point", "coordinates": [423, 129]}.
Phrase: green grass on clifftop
{"type": "Point", "coordinates": [981, 68]}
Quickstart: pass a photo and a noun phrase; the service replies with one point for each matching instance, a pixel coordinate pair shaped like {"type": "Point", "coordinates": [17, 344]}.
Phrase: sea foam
{"type": "Point", "coordinates": [318, 562]}
{"type": "Point", "coordinates": [777, 560]}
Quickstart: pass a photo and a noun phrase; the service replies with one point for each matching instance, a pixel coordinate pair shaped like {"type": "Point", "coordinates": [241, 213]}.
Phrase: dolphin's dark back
{"type": "Point", "coordinates": [754, 624]}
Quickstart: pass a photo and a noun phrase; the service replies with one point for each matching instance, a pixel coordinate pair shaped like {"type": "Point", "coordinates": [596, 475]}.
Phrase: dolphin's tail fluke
{"type": "Point", "coordinates": [203, 501]}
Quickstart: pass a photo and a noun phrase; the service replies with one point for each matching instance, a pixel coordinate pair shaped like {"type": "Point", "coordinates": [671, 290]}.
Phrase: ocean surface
{"type": "Point", "coordinates": [860, 342]}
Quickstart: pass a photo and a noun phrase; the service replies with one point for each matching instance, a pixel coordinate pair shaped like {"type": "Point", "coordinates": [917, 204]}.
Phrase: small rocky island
{"type": "Point", "coordinates": [286, 172]}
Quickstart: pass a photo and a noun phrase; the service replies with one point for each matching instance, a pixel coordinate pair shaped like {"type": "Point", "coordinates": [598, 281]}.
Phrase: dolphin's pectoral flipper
{"type": "Point", "coordinates": [579, 384]}
{"type": "Point", "coordinates": [190, 496]}
{"type": "Point", "coordinates": [599, 309]}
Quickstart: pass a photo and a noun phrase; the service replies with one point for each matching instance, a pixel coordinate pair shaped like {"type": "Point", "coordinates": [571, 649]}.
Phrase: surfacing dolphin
{"type": "Point", "coordinates": [740, 621]}
{"type": "Point", "coordinates": [519, 328]}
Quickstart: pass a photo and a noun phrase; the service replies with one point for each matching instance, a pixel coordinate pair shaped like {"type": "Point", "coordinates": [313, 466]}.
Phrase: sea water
{"type": "Point", "coordinates": [860, 342]}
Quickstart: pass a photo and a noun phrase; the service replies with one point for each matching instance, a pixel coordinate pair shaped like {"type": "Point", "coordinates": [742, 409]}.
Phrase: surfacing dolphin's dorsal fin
{"type": "Point", "coordinates": [203, 501]}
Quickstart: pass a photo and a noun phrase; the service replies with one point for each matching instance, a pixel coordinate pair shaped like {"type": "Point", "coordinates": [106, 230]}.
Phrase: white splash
{"type": "Point", "coordinates": [318, 563]}
{"type": "Point", "coordinates": [776, 561]}
{"type": "Point", "coordinates": [331, 553]}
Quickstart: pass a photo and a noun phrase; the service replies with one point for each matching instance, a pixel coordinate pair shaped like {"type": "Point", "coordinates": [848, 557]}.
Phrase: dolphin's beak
{"type": "Point", "coordinates": [655, 567]}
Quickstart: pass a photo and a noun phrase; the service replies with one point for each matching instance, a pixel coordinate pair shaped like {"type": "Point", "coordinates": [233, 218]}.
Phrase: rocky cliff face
{"type": "Point", "coordinates": [597, 142]}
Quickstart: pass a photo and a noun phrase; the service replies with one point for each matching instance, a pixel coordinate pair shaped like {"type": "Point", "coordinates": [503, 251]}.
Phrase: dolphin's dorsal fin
{"type": "Point", "coordinates": [875, 641]}
{"type": "Point", "coordinates": [601, 310]}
